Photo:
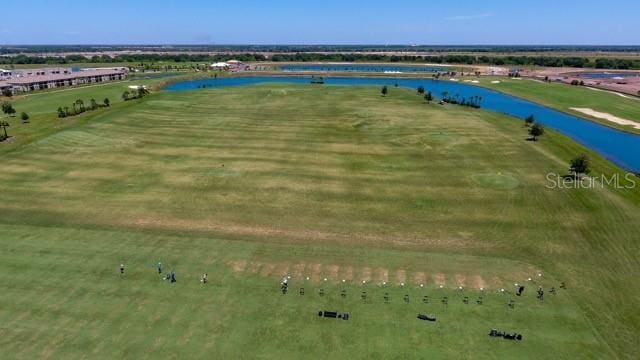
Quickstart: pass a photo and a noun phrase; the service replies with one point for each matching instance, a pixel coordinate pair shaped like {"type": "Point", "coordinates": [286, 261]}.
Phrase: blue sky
{"type": "Point", "coordinates": [614, 22]}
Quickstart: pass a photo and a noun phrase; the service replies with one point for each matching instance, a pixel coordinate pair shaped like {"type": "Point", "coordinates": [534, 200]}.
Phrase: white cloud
{"type": "Point", "coordinates": [468, 17]}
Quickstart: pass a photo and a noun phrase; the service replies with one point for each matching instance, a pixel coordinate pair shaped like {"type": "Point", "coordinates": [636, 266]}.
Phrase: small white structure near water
{"type": "Point", "coordinates": [219, 65]}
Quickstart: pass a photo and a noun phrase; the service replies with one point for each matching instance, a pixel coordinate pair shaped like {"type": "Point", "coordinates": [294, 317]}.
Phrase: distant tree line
{"type": "Point", "coordinates": [473, 101]}
{"type": "Point", "coordinates": [511, 60]}
{"type": "Point", "coordinates": [178, 58]}
{"type": "Point", "coordinates": [275, 48]}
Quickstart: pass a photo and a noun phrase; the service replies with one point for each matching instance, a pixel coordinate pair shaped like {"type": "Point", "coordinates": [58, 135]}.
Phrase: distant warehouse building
{"type": "Point", "coordinates": [45, 79]}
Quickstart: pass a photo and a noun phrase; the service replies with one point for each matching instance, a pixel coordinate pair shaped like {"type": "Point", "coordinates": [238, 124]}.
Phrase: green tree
{"type": "Point", "coordinates": [80, 104]}
{"type": "Point", "coordinates": [125, 95]}
{"type": "Point", "coordinates": [94, 104]}
{"type": "Point", "coordinates": [106, 102]}
{"type": "Point", "coordinates": [580, 165]}
{"type": "Point", "coordinates": [7, 93]}
{"type": "Point", "coordinates": [4, 126]}
{"type": "Point", "coordinates": [428, 96]}
{"type": "Point", "coordinates": [7, 108]}
{"type": "Point", "coordinates": [24, 117]}
{"type": "Point", "coordinates": [384, 90]}
{"type": "Point", "coordinates": [529, 120]}
{"type": "Point", "coordinates": [420, 90]}
{"type": "Point", "coordinates": [536, 130]}
{"type": "Point", "coordinates": [61, 113]}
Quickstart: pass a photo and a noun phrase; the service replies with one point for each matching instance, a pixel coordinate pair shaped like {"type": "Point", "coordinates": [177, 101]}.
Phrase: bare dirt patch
{"type": "Point", "coordinates": [440, 279]}
{"type": "Point", "coordinates": [255, 267]}
{"type": "Point", "coordinates": [238, 265]}
{"type": "Point", "coordinates": [382, 275]}
{"type": "Point", "coordinates": [267, 269]}
{"type": "Point", "coordinates": [298, 270]}
{"type": "Point", "coordinates": [316, 272]}
{"type": "Point", "coordinates": [478, 282]}
{"type": "Point", "coordinates": [365, 274]}
{"type": "Point", "coordinates": [496, 282]}
{"type": "Point", "coordinates": [347, 273]}
{"type": "Point", "coordinates": [334, 272]}
{"type": "Point", "coordinates": [282, 269]}
{"type": "Point", "coordinates": [419, 278]}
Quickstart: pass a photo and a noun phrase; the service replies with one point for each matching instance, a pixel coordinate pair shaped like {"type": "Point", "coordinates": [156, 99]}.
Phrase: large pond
{"type": "Point", "coordinates": [620, 147]}
{"type": "Point", "coordinates": [608, 75]}
{"type": "Point", "coordinates": [363, 68]}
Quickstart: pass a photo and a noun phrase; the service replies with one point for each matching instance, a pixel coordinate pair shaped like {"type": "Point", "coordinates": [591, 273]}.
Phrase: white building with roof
{"type": "Point", "coordinates": [219, 65]}
{"type": "Point", "coordinates": [5, 74]}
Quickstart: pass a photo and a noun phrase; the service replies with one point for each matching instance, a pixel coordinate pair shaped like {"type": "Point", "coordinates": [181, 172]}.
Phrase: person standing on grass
{"type": "Point", "coordinates": [204, 278]}
{"type": "Point", "coordinates": [159, 266]}
{"type": "Point", "coordinates": [121, 269]}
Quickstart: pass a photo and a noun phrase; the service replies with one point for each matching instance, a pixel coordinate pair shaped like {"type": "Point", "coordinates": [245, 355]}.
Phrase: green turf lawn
{"type": "Point", "coordinates": [563, 97]}
{"type": "Point", "coordinates": [252, 183]}
{"type": "Point", "coordinates": [42, 107]}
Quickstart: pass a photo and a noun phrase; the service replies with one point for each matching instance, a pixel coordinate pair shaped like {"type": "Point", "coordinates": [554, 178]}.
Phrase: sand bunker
{"type": "Point", "coordinates": [612, 92]}
{"type": "Point", "coordinates": [495, 82]}
{"type": "Point", "coordinates": [608, 117]}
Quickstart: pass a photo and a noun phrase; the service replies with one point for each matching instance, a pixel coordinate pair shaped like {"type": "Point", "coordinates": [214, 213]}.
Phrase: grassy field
{"type": "Point", "coordinates": [42, 107]}
{"type": "Point", "coordinates": [564, 97]}
{"type": "Point", "coordinates": [254, 183]}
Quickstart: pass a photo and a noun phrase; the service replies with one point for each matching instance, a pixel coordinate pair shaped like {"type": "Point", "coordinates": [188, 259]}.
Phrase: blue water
{"type": "Point", "coordinates": [608, 75]}
{"type": "Point", "coordinates": [363, 68]}
{"type": "Point", "coordinates": [620, 147]}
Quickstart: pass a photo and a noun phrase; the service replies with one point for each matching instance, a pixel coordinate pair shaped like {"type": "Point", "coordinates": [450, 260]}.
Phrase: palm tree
{"type": "Point", "coordinates": [80, 104]}
{"type": "Point", "coordinates": [4, 126]}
